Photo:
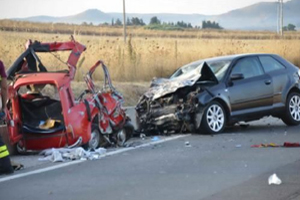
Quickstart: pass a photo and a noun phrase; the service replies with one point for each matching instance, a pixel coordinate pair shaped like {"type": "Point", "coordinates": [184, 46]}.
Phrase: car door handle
{"type": "Point", "coordinates": [268, 82]}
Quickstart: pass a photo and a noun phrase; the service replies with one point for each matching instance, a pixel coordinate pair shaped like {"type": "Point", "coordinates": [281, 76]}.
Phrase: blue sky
{"type": "Point", "coordinates": [25, 8]}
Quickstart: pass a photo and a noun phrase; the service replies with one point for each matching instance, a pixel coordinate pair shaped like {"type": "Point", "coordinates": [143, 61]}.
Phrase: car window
{"type": "Point", "coordinates": [270, 64]}
{"type": "Point", "coordinates": [219, 67]}
{"type": "Point", "coordinates": [249, 67]}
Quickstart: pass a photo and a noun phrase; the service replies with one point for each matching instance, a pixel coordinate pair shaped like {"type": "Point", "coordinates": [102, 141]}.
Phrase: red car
{"type": "Point", "coordinates": [42, 111]}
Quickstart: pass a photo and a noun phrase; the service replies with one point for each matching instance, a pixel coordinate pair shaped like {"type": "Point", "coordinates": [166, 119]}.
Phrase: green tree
{"type": "Point", "coordinates": [118, 22]}
{"type": "Point", "coordinates": [289, 27]}
{"type": "Point", "coordinates": [84, 24]}
{"type": "Point", "coordinates": [128, 22]}
{"type": "Point", "coordinates": [204, 25]}
{"type": "Point", "coordinates": [155, 20]}
{"type": "Point", "coordinates": [137, 22]}
{"type": "Point", "coordinates": [112, 22]}
{"type": "Point", "coordinates": [210, 25]}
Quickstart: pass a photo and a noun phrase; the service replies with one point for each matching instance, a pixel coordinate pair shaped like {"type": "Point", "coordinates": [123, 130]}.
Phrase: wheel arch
{"type": "Point", "coordinates": [293, 89]}
{"type": "Point", "coordinates": [225, 106]}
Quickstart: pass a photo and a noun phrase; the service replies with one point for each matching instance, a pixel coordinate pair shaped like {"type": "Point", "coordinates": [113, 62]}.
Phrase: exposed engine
{"type": "Point", "coordinates": [170, 113]}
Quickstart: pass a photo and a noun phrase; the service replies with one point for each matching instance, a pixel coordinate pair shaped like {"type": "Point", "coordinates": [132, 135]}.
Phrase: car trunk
{"type": "Point", "coordinates": [41, 112]}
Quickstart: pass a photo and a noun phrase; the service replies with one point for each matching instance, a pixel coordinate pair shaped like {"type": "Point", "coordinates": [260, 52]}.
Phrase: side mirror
{"type": "Point", "coordinates": [235, 77]}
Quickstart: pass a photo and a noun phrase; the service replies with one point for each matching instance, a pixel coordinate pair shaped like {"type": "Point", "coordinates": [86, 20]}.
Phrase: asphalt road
{"type": "Point", "coordinates": [222, 166]}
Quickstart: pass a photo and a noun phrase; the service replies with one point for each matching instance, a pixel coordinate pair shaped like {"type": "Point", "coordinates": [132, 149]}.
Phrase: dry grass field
{"type": "Point", "coordinates": [147, 53]}
{"type": "Point", "coordinates": [143, 58]}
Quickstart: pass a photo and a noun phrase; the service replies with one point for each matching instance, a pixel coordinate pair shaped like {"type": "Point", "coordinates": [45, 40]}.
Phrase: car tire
{"type": "Point", "coordinates": [292, 110]}
{"type": "Point", "coordinates": [96, 140]}
{"type": "Point", "coordinates": [214, 118]}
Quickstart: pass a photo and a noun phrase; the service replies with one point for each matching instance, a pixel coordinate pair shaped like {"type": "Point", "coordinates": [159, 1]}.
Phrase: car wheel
{"type": "Point", "coordinates": [121, 137]}
{"type": "Point", "coordinates": [214, 118]}
{"type": "Point", "coordinates": [96, 140]}
{"type": "Point", "coordinates": [292, 110]}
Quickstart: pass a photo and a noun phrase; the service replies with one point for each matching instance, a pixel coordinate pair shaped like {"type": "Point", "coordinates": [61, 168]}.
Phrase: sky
{"type": "Point", "coordinates": [26, 8]}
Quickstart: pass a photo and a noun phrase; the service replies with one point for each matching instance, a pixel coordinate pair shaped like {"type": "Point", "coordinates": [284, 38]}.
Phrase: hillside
{"type": "Point", "coordinates": [260, 16]}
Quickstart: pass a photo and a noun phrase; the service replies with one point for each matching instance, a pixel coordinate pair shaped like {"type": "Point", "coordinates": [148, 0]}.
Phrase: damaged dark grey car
{"type": "Point", "coordinates": [207, 95]}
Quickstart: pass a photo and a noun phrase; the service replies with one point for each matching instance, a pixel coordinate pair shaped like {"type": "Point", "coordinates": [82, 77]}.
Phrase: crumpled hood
{"type": "Point", "coordinates": [161, 87]}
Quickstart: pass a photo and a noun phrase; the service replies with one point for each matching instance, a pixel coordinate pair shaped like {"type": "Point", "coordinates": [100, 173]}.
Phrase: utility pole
{"type": "Point", "coordinates": [278, 17]}
{"type": "Point", "coordinates": [281, 17]}
{"type": "Point", "coordinates": [124, 21]}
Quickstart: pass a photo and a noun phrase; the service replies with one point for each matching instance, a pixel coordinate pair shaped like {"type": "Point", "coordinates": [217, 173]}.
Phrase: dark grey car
{"type": "Point", "coordinates": [209, 94]}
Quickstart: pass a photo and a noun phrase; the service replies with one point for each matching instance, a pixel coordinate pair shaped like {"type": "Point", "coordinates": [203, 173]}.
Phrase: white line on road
{"type": "Point", "coordinates": [80, 161]}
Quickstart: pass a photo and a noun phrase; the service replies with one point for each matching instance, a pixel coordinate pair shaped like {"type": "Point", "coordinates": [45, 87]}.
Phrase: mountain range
{"type": "Point", "coordinates": [259, 16]}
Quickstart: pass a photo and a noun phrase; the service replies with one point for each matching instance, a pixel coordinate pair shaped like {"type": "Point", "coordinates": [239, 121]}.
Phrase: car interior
{"type": "Point", "coordinates": [41, 109]}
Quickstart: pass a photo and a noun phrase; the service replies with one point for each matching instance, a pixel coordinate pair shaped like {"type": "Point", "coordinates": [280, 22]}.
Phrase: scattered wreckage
{"type": "Point", "coordinates": [43, 113]}
{"type": "Point", "coordinates": [206, 95]}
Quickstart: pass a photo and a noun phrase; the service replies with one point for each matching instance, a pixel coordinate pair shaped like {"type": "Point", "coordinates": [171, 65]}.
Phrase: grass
{"type": "Point", "coordinates": [148, 53]}
{"type": "Point", "coordinates": [142, 58]}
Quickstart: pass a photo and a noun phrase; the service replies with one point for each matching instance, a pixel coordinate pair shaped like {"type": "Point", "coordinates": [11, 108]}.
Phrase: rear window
{"type": "Point", "coordinates": [270, 64]}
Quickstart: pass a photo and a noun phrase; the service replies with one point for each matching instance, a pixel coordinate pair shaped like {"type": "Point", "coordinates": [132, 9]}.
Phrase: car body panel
{"type": "Point", "coordinates": [42, 111]}
{"type": "Point", "coordinates": [244, 100]}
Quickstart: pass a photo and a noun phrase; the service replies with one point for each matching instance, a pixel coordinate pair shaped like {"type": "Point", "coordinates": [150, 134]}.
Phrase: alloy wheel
{"type": "Point", "coordinates": [294, 107]}
{"type": "Point", "coordinates": [215, 117]}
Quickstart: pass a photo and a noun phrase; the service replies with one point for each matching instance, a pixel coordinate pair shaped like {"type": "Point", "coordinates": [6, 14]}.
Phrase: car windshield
{"type": "Point", "coordinates": [189, 68]}
{"type": "Point", "coordinates": [218, 67]}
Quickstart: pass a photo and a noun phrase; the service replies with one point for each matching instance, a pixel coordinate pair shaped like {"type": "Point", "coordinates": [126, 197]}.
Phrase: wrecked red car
{"type": "Point", "coordinates": [42, 111]}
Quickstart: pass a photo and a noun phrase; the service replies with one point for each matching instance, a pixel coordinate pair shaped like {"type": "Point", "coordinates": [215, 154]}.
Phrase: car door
{"type": "Point", "coordinates": [279, 75]}
{"type": "Point", "coordinates": [252, 92]}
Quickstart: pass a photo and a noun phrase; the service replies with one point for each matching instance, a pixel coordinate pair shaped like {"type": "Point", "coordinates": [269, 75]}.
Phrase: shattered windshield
{"type": "Point", "coordinates": [187, 69]}
{"type": "Point", "coordinates": [218, 67]}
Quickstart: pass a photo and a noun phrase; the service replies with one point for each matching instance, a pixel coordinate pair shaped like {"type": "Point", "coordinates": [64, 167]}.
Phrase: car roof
{"type": "Point", "coordinates": [235, 56]}
{"type": "Point", "coordinates": [58, 79]}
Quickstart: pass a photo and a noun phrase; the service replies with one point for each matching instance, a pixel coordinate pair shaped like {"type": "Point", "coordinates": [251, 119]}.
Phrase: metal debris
{"type": "Point", "coordinates": [64, 154]}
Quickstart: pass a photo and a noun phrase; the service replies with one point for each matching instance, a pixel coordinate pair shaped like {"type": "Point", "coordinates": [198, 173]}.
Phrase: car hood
{"type": "Point", "coordinates": [162, 86]}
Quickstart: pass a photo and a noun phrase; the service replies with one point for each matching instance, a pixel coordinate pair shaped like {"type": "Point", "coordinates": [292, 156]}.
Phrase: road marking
{"type": "Point", "coordinates": [81, 161]}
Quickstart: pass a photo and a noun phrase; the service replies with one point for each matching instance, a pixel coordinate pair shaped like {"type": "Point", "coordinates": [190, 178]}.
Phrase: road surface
{"type": "Point", "coordinates": [190, 166]}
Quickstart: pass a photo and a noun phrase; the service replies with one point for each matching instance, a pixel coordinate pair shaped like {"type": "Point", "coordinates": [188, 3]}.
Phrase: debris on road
{"type": "Point", "coordinates": [155, 138]}
{"type": "Point", "coordinates": [273, 179]}
{"type": "Point", "coordinates": [16, 166]}
{"type": "Point", "coordinates": [244, 125]}
{"type": "Point", "coordinates": [187, 144]}
{"type": "Point", "coordinates": [291, 144]}
{"type": "Point", "coordinates": [286, 144]}
{"type": "Point", "coordinates": [142, 136]}
{"type": "Point", "coordinates": [238, 146]}
{"type": "Point", "coordinates": [63, 154]}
